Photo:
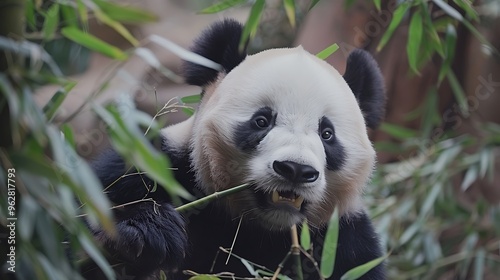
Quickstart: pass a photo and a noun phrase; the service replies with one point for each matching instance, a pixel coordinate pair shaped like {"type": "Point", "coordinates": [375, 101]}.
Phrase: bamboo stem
{"type": "Point", "coordinates": [209, 198]}
{"type": "Point", "coordinates": [296, 252]}
{"type": "Point", "coordinates": [281, 265]}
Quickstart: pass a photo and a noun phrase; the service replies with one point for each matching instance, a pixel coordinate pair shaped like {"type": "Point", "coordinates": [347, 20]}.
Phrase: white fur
{"type": "Point", "coordinates": [301, 89]}
{"type": "Point", "coordinates": [178, 135]}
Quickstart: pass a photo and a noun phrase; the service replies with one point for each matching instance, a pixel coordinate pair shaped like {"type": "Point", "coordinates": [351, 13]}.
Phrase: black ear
{"type": "Point", "coordinates": [219, 43]}
{"type": "Point", "coordinates": [363, 76]}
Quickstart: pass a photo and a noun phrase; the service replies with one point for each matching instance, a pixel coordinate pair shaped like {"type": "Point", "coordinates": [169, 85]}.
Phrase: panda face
{"type": "Point", "coordinates": [288, 123]}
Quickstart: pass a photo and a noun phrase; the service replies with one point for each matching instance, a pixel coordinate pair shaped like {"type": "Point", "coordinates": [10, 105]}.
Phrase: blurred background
{"type": "Point", "coordinates": [435, 194]}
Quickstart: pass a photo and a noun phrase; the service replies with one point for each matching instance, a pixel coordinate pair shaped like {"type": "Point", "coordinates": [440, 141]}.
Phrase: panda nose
{"type": "Point", "coordinates": [295, 172]}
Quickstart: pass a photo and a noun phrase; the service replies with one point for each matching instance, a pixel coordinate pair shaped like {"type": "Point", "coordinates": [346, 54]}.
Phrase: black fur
{"type": "Point", "coordinates": [357, 244]}
{"type": "Point", "coordinates": [335, 154]}
{"type": "Point", "coordinates": [363, 76]}
{"type": "Point", "coordinates": [218, 43]}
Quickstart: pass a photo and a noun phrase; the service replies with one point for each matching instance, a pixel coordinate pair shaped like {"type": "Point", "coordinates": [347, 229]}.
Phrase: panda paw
{"type": "Point", "coordinates": [148, 237]}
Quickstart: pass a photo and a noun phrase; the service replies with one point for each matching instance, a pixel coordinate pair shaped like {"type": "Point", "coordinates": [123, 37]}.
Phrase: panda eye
{"type": "Point", "coordinates": [261, 122]}
{"type": "Point", "coordinates": [327, 134]}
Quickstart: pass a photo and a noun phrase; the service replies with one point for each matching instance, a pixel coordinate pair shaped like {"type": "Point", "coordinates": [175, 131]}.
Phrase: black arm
{"type": "Point", "coordinates": [150, 234]}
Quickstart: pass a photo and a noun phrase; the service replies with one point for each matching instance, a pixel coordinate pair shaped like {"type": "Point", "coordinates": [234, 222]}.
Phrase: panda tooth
{"type": "Point", "coordinates": [298, 202]}
{"type": "Point", "coordinates": [275, 197]}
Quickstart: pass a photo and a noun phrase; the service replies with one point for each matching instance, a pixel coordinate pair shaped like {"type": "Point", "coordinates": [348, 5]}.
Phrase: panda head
{"type": "Point", "coordinates": [286, 122]}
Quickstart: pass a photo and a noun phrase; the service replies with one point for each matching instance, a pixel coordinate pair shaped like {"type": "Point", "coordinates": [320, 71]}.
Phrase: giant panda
{"type": "Point", "coordinates": [282, 120]}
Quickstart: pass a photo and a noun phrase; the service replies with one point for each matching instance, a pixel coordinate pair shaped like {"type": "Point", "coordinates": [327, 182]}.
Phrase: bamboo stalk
{"type": "Point", "coordinates": [296, 252]}
{"type": "Point", "coordinates": [209, 198]}
{"type": "Point", "coordinates": [280, 266]}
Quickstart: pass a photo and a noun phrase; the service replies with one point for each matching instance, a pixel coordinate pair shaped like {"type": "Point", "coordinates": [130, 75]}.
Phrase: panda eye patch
{"type": "Point", "coordinates": [249, 133]}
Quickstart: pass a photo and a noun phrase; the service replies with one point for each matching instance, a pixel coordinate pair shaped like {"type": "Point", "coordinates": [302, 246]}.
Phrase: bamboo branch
{"type": "Point", "coordinates": [209, 198]}
{"type": "Point", "coordinates": [296, 252]}
{"type": "Point", "coordinates": [281, 265]}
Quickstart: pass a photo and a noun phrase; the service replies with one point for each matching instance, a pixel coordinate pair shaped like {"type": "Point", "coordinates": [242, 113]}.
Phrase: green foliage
{"type": "Point", "coordinates": [62, 15]}
{"type": "Point", "coordinates": [361, 270]}
{"type": "Point", "coordinates": [324, 54]}
{"type": "Point", "coordinates": [330, 246]}
{"type": "Point", "coordinates": [221, 6]}
{"type": "Point", "coordinates": [428, 229]}
{"type": "Point", "coordinates": [252, 23]}
{"type": "Point", "coordinates": [397, 17]}
{"type": "Point", "coordinates": [49, 175]}
{"type": "Point", "coordinates": [93, 43]}
{"type": "Point", "coordinates": [305, 237]}
{"type": "Point", "coordinates": [290, 11]}
{"type": "Point", "coordinates": [414, 40]}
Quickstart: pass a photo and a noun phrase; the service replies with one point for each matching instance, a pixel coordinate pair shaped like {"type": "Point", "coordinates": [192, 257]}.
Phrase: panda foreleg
{"type": "Point", "coordinates": [150, 234]}
{"type": "Point", "coordinates": [149, 237]}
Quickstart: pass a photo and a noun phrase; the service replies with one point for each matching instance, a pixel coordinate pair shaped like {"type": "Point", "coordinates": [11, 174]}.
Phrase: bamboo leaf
{"type": "Point", "coordinates": [470, 177]}
{"type": "Point", "coordinates": [467, 7]}
{"type": "Point", "coordinates": [82, 11]}
{"type": "Point", "coordinates": [57, 99]}
{"type": "Point", "coordinates": [398, 131]}
{"type": "Point", "coordinates": [129, 141]}
{"type": "Point", "coordinates": [183, 53]}
{"type": "Point", "coordinates": [459, 93]}
{"type": "Point", "coordinates": [78, 171]}
{"type": "Point", "coordinates": [221, 6]}
{"type": "Point", "coordinates": [148, 56]}
{"type": "Point", "coordinates": [313, 3]}
{"type": "Point", "coordinates": [69, 136]}
{"type": "Point", "coordinates": [449, 51]}
{"type": "Point", "coordinates": [479, 264]}
{"type": "Point", "coordinates": [188, 111]}
{"type": "Point", "coordinates": [410, 232]}
{"type": "Point", "coordinates": [432, 34]}
{"type": "Point", "coordinates": [191, 99]}
{"type": "Point", "coordinates": [378, 4]}
{"type": "Point", "coordinates": [430, 113]}
{"type": "Point", "coordinates": [324, 54]}
{"type": "Point", "coordinates": [93, 43]}
{"type": "Point", "coordinates": [431, 198]}
{"type": "Point", "coordinates": [51, 22]}
{"type": "Point", "coordinates": [96, 255]}
{"type": "Point", "coordinates": [361, 270]}
{"type": "Point", "coordinates": [396, 20]}
{"type": "Point", "coordinates": [479, 36]}
{"type": "Point", "coordinates": [29, 14]}
{"type": "Point", "coordinates": [449, 10]}
{"type": "Point", "coordinates": [118, 27]}
{"type": "Point", "coordinates": [486, 156]}
{"type": "Point", "coordinates": [290, 11]}
{"type": "Point", "coordinates": [125, 14]}
{"type": "Point", "coordinates": [414, 40]}
{"type": "Point", "coordinates": [305, 236]}
{"type": "Point", "coordinates": [69, 15]}
{"type": "Point", "coordinates": [252, 23]}
{"type": "Point", "coordinates": [249, 267]}
{"type": "Point", "coordinates": [330, 246]}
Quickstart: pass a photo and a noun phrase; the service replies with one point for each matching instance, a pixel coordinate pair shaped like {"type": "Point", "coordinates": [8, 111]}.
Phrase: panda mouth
{"type": "Point", "coordinates": [288, 198]}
